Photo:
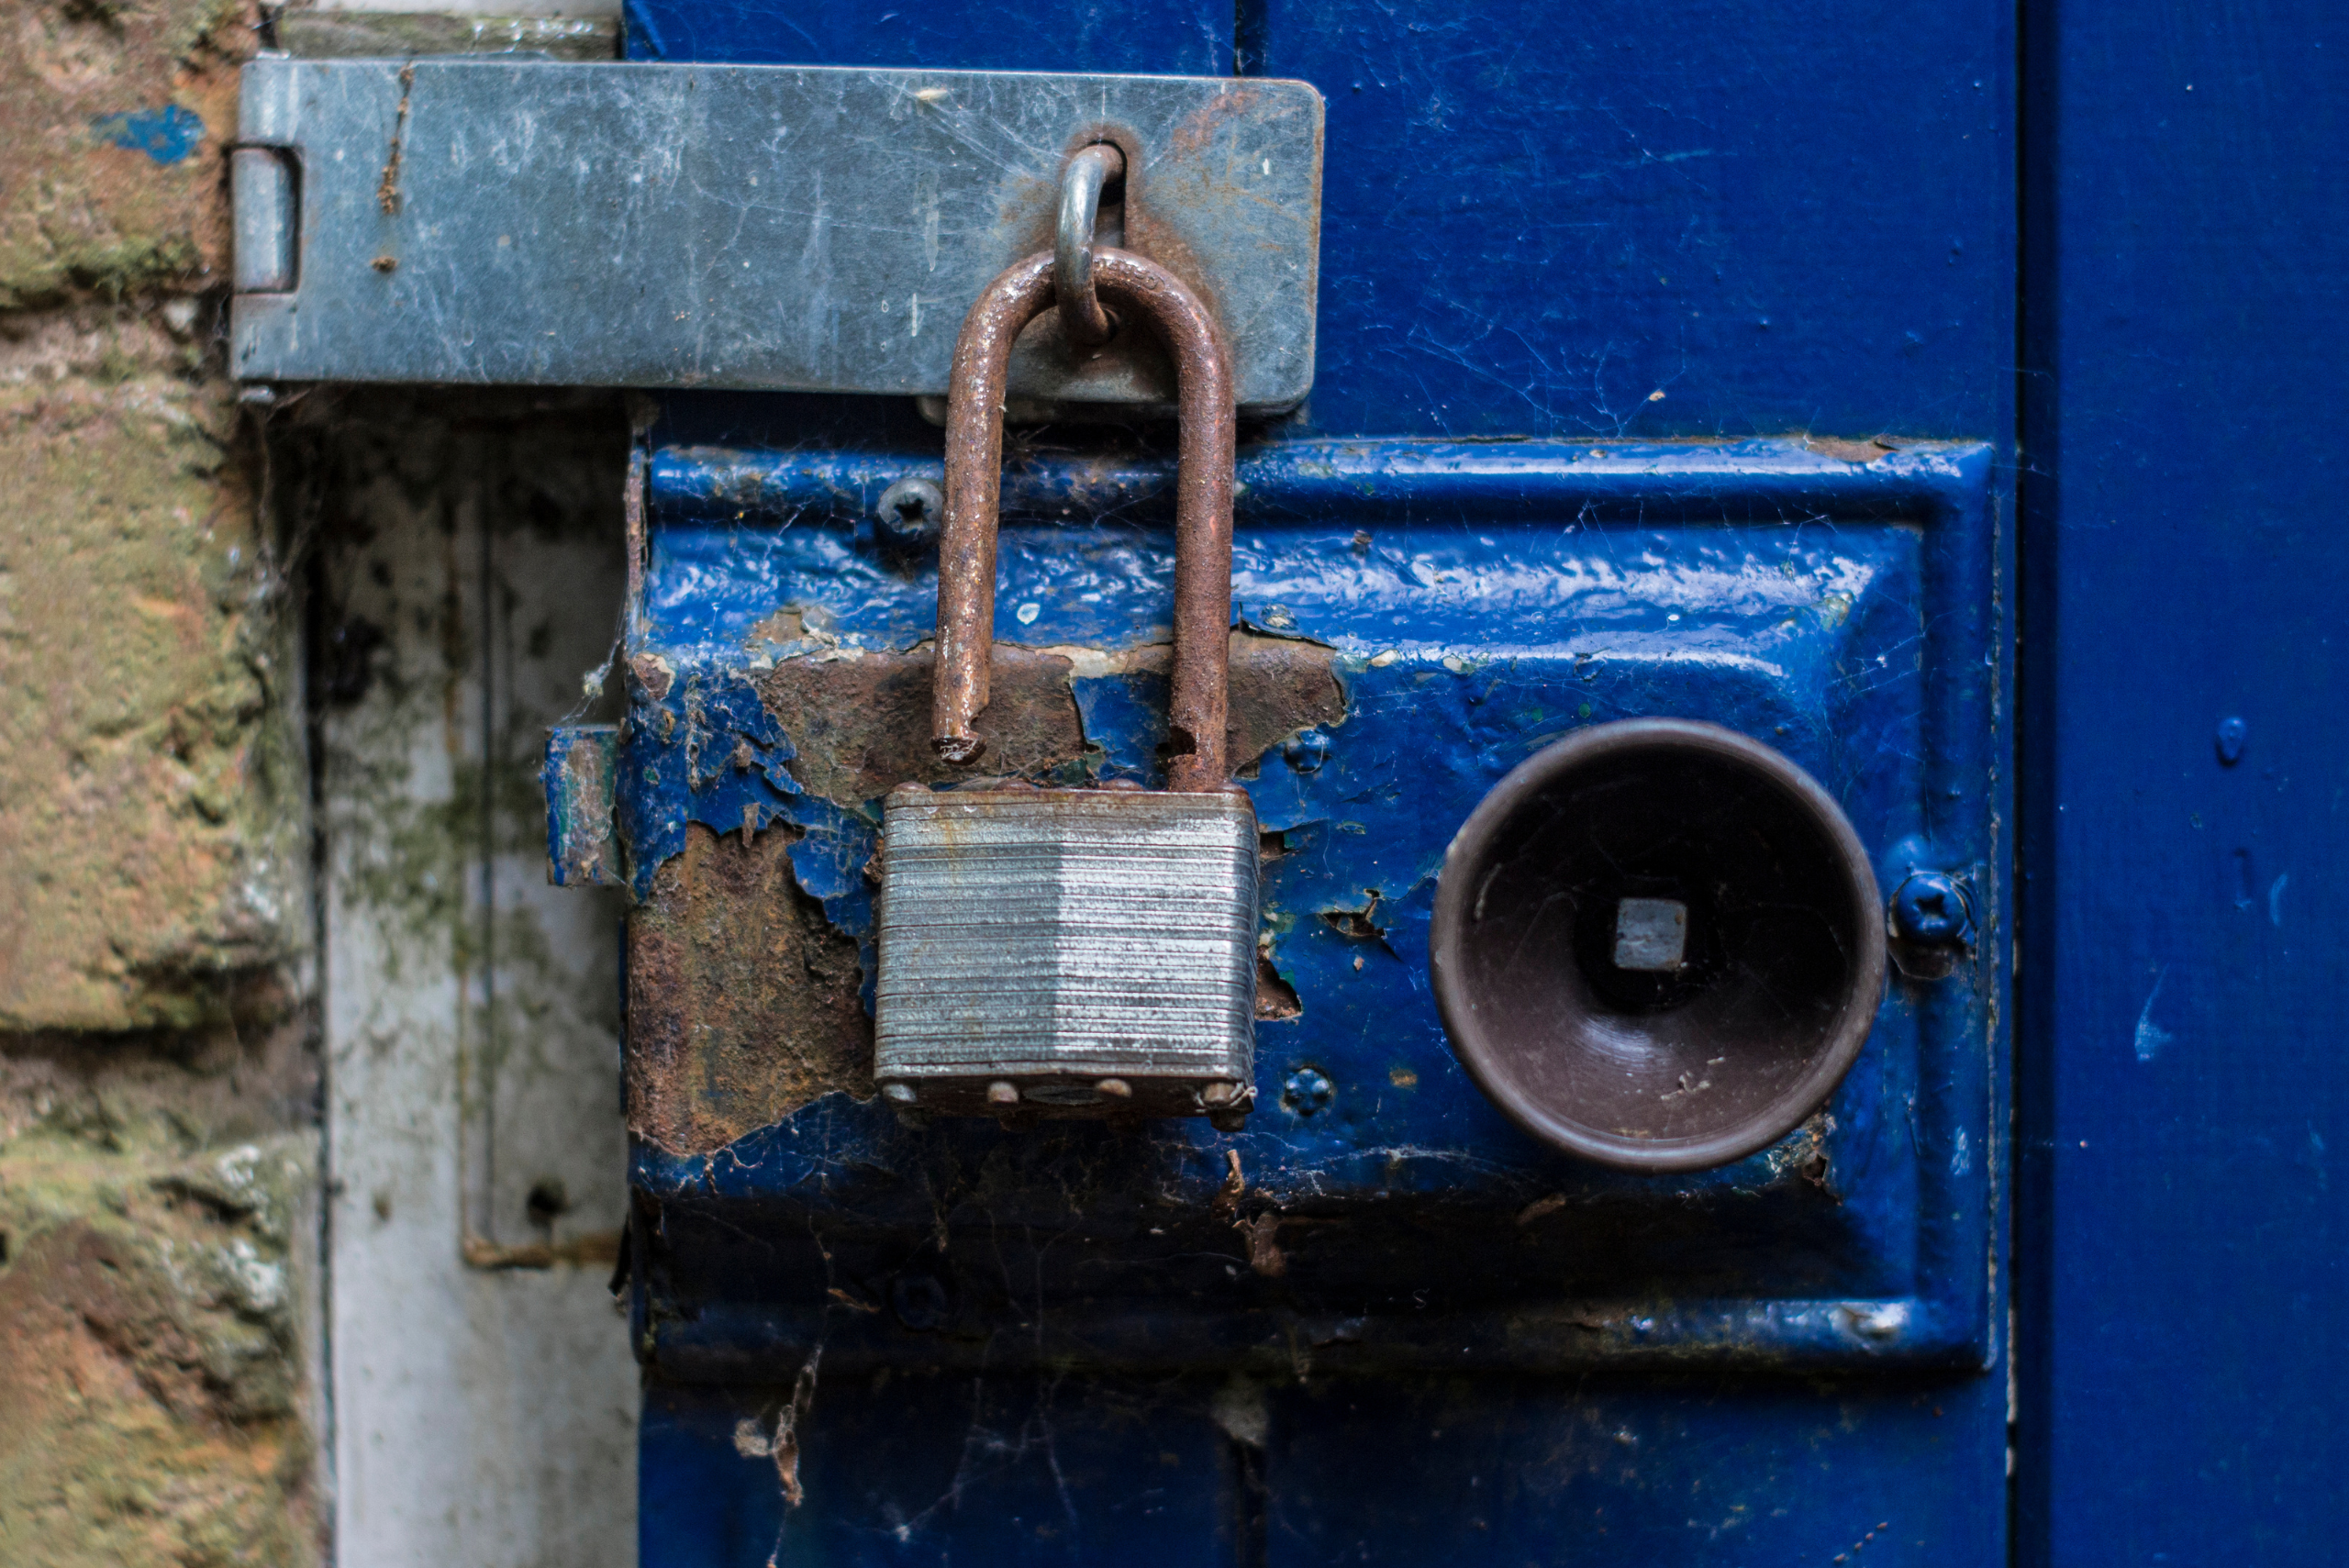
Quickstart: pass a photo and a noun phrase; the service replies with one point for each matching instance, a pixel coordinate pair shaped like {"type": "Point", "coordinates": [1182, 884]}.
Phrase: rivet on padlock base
{"type": "Point", "coordinates": [1075, 952]}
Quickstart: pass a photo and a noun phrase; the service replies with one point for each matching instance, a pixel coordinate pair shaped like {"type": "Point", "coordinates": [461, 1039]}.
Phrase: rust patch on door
{"type": "Point", "coordinates": [1279, 685]}
{"type": "Point", "coordinates": [742, 998]}
{"type": "Point", "coordinates": [862, 725]}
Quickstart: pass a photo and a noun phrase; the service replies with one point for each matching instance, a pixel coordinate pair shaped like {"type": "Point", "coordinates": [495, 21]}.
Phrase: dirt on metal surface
{"type": "Point", "coordinates": [742, 998]}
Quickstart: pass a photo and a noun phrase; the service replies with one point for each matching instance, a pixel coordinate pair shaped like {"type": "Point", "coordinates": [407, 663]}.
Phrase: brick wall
{"type": "Point", "coordinates": [157, 1075]}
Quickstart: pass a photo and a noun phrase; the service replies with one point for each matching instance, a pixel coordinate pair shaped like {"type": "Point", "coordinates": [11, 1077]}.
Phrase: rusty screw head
{"type": "Point", "coordinates": [1931, 909]}
{"type": "Point", "coordinates": [1306, 750]}
{"type": "Point", "coordinates": [920, 1300]}
{"type": "Point", "coordinates": [911, 514]}
{"type": "Point", "coordinates": [1306, 1091]}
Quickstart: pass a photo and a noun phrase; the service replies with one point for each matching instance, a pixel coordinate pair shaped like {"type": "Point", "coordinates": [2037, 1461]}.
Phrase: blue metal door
{"type": "Point", "coordinates": [2180, 1262]}
{"type": "Point", "coordinates": [1665, 368]}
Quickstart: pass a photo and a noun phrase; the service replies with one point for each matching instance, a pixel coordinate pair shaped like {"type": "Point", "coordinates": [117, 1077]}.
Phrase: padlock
{"type": "Point", "coordinates": [1074, 952]}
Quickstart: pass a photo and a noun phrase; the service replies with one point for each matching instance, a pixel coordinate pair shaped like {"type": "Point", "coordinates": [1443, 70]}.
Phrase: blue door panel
{"type": "Point", "coordinates": [916, 1466]}
{"type": "Point", "coordinates": [1472, 602]}
{"type": "Point", "coordinates": [1537, 218]}
{"type": "Point", "coordinates": [1009, 1468]}
{"type": "Point", "coordinates": [1183, 38]}
{"type": "Point", "coordinates": [2185, 1055]}
{"type": "Point", "coordinates": [1567, 1473]}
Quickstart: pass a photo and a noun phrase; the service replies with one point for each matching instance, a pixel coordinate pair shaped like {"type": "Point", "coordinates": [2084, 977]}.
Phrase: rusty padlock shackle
{"type": "Point", "coordinates": [966, 547]}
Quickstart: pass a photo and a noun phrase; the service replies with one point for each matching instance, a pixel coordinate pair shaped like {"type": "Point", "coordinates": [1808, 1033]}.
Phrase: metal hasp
{"type": "Point", "coordinates": [777, 228]}
{"type": "Point", "coordinates": [1081, 952]}
{"type": "Point", "coordinates": [1083, 320]}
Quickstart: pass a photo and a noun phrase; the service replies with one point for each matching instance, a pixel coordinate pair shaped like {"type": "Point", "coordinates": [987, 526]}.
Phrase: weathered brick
{"type": "Point", "coordinates": [154, 1216]}
{"type": "Point", "coordinates": [155, 1186]}
{"type": "Point", "coordinates": [150, 792]}
{"type": "Point", "coordinates": [115, 114]}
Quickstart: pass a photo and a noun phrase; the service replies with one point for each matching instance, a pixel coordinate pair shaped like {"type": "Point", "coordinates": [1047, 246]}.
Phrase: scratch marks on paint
{"type": "Point", "coordinates": [2152, 1037]}
{"type": "Point", "coordinates": [2276, 901]}
{"type": "Point", "coordinates": [928, 186]}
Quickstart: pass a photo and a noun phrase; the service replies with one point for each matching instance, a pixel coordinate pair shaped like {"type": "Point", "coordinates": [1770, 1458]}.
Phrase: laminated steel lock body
{"type": "Point", "coordinates": [1075, 952]}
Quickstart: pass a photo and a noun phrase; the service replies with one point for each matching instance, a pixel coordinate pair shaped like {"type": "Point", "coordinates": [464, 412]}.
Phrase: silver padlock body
{"type": "Point", "coordinates": [1050, 939]}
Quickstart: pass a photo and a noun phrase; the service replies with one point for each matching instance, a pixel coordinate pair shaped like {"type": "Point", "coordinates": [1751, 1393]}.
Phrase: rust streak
{"type": "Point", "coordinates": [1264, 1254]}
{"type": "Point", "coordinates": [387, 194]}
{"type": "Point", "coordinates": [1200, 125]}
{"type": "Point", "coordinates": [600, 1249]}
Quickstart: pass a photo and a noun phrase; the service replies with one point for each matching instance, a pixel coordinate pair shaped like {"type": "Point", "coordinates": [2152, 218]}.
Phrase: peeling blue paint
{"type": "Point", "coordinates": [704, 752]}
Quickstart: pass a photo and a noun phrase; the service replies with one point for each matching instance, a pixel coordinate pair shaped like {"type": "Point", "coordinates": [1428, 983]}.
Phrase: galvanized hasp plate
{"type": "Point", "coordinates": [776, 228]}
